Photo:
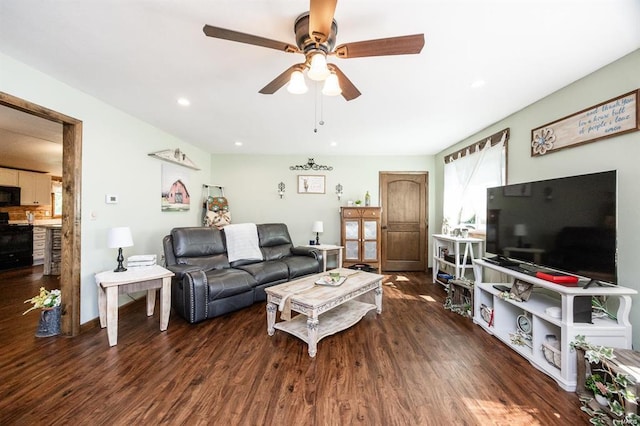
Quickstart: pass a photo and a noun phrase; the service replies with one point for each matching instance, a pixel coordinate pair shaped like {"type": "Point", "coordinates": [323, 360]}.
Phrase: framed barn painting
{"type": "Point", "coordinates": [175, 192]}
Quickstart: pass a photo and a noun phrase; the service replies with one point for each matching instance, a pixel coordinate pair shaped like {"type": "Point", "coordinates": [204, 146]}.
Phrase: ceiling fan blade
{"type": "Point", "coordinates": [320, 19]}
{"type": "Point", "coordinates": [280, 80]}
{"type": "Point", "coordinates": [402, 45]}
{"type": "Point", "coordinates": [217, 32]}
{"type": "Point", "coordinates": [349, 91]}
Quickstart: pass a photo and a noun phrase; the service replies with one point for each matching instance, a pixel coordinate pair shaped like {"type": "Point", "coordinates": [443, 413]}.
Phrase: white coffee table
{"type": "Point", "coordinates": [325, 310]}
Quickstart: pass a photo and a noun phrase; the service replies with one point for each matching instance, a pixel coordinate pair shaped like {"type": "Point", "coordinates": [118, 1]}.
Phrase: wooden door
{"type": "Point", "coordinates": [403, 196]}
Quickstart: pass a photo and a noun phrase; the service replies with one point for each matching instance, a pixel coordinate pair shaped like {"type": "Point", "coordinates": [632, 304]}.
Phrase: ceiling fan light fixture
{"type": "Point", "coordinates": [296, 85]}
{"type": "Point", "coordinates": [331, 86]}
{"type": "Point", "coordinates": [318, 69]}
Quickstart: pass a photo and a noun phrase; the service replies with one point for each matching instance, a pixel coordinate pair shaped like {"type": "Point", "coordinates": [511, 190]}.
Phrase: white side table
{"type": "Point", "coordinates": [149, 278]}
{"type": "Point", "coordinates": [329, 249]}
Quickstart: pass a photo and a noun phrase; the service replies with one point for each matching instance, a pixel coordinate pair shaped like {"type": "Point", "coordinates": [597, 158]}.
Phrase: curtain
{"type": "Point", "coordinates": [466, 180]}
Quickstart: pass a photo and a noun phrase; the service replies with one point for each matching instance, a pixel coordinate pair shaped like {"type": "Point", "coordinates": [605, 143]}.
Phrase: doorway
{"type": "Point", "coordinates": [71, 191]}
{"type": "Point", "coordinates": [403, 197]}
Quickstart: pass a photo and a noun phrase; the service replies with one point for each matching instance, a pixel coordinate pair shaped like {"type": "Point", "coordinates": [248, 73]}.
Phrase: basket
{"type": "Point", "coordinates": [487, 314]}
{"type": "Point", "coordinates": [551, 353]}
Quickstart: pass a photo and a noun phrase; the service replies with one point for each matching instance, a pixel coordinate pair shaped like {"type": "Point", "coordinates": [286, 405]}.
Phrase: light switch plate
{"type": "Point", "coordinates": [111, 199]}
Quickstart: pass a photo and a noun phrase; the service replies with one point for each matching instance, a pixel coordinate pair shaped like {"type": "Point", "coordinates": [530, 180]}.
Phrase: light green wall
{"type": "Point", "coordinates": [251, 184]}
{"type": "Point", "coordinates": [619, 153]}
{"type": "Point", "coordinates": [114, 161]}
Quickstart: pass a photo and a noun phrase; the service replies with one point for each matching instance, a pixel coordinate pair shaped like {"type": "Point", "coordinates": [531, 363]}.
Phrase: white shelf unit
{"type": "Point", "coordinates": [463, 250]}
{"type": "Point", "coordinates": [602, 331]}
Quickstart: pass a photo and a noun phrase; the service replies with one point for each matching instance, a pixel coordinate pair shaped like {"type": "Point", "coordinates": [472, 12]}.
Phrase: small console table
{"type": "Point", "coordinates": [508, 316]}
{"type": "Point", "coordinates": [149, 278]}
{"type": "Point", "coordinates": [329, 249]}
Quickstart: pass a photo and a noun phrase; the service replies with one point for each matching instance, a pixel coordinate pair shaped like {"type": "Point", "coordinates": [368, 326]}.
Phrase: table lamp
{"type": "Point", "coordinates": [317, 228]}
{"type": "Point", "coordinates": [520, 230]}
{"type": "Point", "coordinates": [118, 238]}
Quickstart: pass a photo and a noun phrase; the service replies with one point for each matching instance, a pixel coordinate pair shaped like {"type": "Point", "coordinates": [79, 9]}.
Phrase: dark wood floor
{"type": "Point", "coordinates": [416, 364]}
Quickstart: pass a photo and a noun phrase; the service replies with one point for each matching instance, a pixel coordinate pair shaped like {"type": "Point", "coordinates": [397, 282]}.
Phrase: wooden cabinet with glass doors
{"type": "Point", "coordinates": [361, 236]}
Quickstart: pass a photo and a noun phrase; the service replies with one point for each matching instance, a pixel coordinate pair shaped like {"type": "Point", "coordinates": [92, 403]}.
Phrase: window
{"type": "Point", "coordinates": [467, 175]}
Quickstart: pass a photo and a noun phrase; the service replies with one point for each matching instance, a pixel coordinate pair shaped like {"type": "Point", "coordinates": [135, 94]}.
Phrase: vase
{"type": "Point", "coordinates": [49, 324]}
{"type": "Point", "coordinates": [602, 400]}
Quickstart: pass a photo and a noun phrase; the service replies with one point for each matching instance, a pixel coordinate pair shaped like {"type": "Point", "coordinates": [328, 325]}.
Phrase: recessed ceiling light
{"type": "Point", "coordinates": [477, 84]}
{"type": "Point", "coordinates": [334, 143]}
{"type": "Point", "coordinates": [238, 143]}
{"type": "Point", "coordinates": [183, 102]}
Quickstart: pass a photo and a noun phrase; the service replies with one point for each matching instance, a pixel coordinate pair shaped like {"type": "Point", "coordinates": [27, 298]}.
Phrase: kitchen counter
{"type": "Point", "coordinates": [38, 222]}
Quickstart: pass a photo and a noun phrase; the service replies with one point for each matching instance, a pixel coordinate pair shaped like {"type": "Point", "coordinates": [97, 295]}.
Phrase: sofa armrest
{"type": "Point", "coordinates": [181, 270]}
{"type": "Point", "coordinates": [189, 296]}
{"type": "Point", "coordinates": [307, 251]}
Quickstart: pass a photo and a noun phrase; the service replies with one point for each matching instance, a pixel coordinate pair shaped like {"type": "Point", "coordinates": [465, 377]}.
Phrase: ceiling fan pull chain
{"type": "Point", "coordinates": [315, 107]}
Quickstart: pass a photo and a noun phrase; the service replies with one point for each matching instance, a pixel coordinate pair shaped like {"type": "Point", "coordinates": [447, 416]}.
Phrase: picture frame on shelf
{"type": "Point", "coordinates": [311, 184]}
{"type": "Point", "coordinates": [521, 290]}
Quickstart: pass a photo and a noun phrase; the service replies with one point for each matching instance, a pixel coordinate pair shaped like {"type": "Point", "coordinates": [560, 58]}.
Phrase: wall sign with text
{"type": "Point", "coordinates": [610, 118]}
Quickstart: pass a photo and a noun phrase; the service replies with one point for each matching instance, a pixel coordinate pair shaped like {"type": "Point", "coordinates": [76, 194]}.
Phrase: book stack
{"type": "Point", "coordinates": [141, 260]}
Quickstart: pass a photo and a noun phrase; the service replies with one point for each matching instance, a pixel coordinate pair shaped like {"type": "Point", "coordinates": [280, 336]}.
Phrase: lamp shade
{"type": "Point", "coordinates": [296, 85]}
{"type": "Point", "coordinates": [119, 237]}
{"type": "Point", "coordinates": [318, 70]}
{"type": "Point", "coordinates": [317, 226]}
{"type": "Point", "coordinates": [520, 230]}
{"type": "Point", "coordinates": [331, 86]}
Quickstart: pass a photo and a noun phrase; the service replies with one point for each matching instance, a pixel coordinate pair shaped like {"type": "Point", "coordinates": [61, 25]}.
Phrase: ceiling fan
{"type": "Point", "coordinates": [315, 38]}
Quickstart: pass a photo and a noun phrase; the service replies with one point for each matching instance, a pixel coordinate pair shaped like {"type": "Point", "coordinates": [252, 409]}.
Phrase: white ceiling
{"type": "Point", "coordinates": [28, 142]}
{"type": "Point", "coordinates": [140, 56]}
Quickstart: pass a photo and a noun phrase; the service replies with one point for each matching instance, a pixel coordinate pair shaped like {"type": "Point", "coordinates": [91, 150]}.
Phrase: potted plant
{"type": "Point", "coordinates": [617, 388]}
{"type": "Point", "coordinates": [49, 304]}
{"type": "Point", "coordinates": [358, 202]}
{"type": "Point", "coordinates": [596, 384]}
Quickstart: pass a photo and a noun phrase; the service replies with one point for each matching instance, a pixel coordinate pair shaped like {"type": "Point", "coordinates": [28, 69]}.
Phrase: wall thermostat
{"type": "Point", "coordinates": [111, 199]}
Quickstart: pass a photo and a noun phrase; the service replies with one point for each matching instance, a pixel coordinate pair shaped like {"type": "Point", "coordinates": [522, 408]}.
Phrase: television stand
{"type": "Point", "coordinates": [548, 337]}
{"type": "Point", "coordinates": [599, 283]}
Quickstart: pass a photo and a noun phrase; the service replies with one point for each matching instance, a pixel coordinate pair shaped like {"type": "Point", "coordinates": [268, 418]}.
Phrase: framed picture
{"type": "Point", "coordinates": [518, 190]}
{"type": "Point", "coordinates": [521, 290]}
{"type": "Point", "coordinates": [175, 195]}
{"type": "Point", "coordinates": [311, 184]}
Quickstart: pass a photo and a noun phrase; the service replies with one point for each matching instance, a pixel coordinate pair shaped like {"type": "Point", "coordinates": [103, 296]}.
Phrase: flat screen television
{"type": "Point", "coordinates": [567, 224]}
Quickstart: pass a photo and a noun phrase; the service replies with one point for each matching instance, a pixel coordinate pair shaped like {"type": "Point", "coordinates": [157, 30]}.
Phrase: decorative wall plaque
{"type": "Point", "coordinates": [610, 118]}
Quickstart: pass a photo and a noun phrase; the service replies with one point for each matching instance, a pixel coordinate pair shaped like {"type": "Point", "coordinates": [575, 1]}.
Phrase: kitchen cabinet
{"type": "Point", "coordinates": [39, 234]}
{"type": "Point", "coordinates": [361, 235]}
{"type": "Point", "coordinates": [8, 177]}
{"type": "Point", "coordinates": [35, 188]}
